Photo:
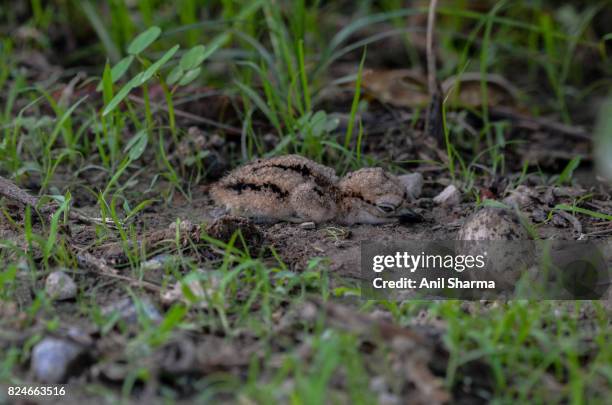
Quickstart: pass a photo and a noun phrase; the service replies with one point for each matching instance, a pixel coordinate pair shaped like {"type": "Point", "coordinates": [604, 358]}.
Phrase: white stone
{"type": "Point", "coordinates": [307, 225]}
{"type": "Point", "coordinates": [60, 286]}
{"type": "Point", "coordinates": [449, 196]}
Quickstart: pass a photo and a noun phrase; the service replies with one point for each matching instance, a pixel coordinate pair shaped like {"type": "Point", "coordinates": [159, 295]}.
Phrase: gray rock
{"type": "Point", "coordinates": [60, 286]}
{"type": "Point", "coordinates": [449, 196]}
{"type": "Point", "coordinates": [53, 359]}
{"type": "Point", "coordinates": [413, 183]}
{"type": "Point", "coordinates": [128, 310]}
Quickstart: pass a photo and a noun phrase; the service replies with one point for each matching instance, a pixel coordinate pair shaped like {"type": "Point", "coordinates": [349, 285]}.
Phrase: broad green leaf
{"type": "Point", "coordinates": [151, 70]}
{"type": "Point", "coordinates": [133, 140]}
{"type": "Point", "coordinates": [121, 67]}
{"type": "Point", "coordinates": [193, 58]}
{"type": "Point", "coordinates": [190, 76]}
{"type": "Point", "coordinates": [175, 75]}
{"type": "Point", "coordinates": [125, 90]}
{"type": "Point", "coordinates": [318, 123]}
{"type": "Point", "coordinates": [216, 44]}
{"type": "Point", "coordinates": [143, 40]}
{"type": "Point", "coordinates": [139, 148]}
{"type": "Point", "coordinates": [138, 80]}
{"type": "Point", "coordinates": [118, 70]}
{"type": "Point", "coordinates": [137, 145]}
{"type": "Point", "coordinates": [332, 124]}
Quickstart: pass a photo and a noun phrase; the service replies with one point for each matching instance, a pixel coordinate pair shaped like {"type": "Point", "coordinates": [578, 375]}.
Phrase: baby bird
{"type": "Point", "coordinates": [295, 189]}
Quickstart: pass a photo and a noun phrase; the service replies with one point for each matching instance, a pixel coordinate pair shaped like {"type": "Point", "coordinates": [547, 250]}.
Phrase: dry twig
{"type": "Point", "coordinates": [11, 191]}
{"type": "Point", "coordinates": [432, 82]}
{"type": "Point", "coordinates": [434, 123]}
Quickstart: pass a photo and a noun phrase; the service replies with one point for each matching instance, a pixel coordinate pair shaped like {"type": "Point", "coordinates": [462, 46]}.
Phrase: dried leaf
{"type": "Point", "coordinates": [407, 88]}
{"type": "Point", "coordinates": [401, 88]}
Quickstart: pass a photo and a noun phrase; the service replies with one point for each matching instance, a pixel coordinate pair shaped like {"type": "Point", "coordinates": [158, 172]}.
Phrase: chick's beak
{"type": "Point", "coordinates": [408, 216]}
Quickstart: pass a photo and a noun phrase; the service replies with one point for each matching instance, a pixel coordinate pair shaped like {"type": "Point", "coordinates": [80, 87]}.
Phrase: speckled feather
{"type": "Point", "coordinates": [293, 188]}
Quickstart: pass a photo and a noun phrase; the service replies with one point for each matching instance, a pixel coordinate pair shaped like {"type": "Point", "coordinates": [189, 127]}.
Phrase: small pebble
{"type": "Point", "coordinates": [559, 221]}
{"type": "Point", "coordinates": [539, 215]}
{"type": "Point", "coordinates": [521, 197]}
{"type": "Point", "coordinates": [53, 360]}
{"type": "Point", "coordinates": [307, 225]}
{"type": "Point", "coordinates": [60, 286]}
{"type": "Point", "coordinates": [449, 196]}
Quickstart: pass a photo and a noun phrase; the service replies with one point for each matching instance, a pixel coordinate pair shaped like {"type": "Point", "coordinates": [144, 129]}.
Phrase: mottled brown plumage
{"type": "Point", "coordinates": [295, 189]}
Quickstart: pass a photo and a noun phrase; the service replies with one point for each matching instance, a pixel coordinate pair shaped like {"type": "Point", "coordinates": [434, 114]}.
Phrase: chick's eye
{"type": "Point", "coordinates": [386, 208]}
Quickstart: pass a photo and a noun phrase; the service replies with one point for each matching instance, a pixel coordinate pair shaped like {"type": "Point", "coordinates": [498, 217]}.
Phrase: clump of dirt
{"type": "Point", "coordinates": [225, 227]}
